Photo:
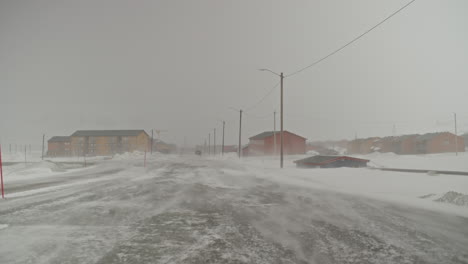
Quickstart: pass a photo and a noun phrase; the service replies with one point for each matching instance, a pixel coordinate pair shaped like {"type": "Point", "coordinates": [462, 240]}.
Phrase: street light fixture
{"type": "Point", "coordinates": [281, 114]}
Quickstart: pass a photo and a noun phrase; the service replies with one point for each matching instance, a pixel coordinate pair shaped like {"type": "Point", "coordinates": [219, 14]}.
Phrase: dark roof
{"type": "Point", "coordinates": [326, 159]}
{"type": "Point", "coordinates": [107, 133]}
{"type": "Point", "coordinates": [271, 133]}
{"type": "Point", "coordinates": [59, 139]}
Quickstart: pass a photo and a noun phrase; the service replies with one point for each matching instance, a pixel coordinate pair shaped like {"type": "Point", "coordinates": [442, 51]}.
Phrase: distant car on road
{"type": "Point", "coordinates": [198, 152]}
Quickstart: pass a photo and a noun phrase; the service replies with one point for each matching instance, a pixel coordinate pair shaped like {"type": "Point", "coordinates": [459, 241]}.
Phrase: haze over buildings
{"type": "Point", "coordinates": [180, 65]}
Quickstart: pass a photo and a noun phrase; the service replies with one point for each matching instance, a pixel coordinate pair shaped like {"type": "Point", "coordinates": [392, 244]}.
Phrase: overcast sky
{"type": "Point", "coordinates": [180, 65]}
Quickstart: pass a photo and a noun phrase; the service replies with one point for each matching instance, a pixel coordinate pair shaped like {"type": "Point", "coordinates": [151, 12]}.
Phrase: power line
{"type": "Point", "coordinates": [258, 117]}
{"type": "Point", "coordinates": [351, 42]}
{"type": "Point", "coordinates": [263, 98]}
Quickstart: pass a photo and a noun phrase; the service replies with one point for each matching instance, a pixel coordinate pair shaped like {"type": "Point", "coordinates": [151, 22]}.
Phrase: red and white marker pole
{"type": "Point", "coordinates": [1, 173]}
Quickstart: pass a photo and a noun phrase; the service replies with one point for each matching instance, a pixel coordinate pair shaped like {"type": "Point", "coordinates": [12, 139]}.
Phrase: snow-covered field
{"type": "Point", "coordinates": [435, 192]}
{"type": "Point", "coordinates": [442, 161]}
{"type": "Point", "coordinates": [36, 156]}
{"type": "Point", "coordinates": [189, 209]}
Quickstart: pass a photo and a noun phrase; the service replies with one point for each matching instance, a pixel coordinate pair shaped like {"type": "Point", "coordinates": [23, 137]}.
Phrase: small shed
{"type": "Point", "coordinates": [331, 162]}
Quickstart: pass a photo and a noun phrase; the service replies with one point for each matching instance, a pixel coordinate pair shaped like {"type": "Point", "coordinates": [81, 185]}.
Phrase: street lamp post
{"type": "Point", "coordinates": [281, 115]}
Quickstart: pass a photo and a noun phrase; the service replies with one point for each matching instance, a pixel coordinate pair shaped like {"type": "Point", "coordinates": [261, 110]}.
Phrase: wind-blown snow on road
{"type": "Point", "coordinates": [183, 209]}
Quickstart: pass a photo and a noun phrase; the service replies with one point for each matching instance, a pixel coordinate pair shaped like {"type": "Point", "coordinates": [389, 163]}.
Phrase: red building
{"type": "Point", "coordinates": [264, 144]}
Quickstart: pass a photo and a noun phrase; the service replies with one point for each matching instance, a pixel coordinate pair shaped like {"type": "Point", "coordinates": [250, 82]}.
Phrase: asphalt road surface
{"type": "Point", "coordinates": [194, 210]}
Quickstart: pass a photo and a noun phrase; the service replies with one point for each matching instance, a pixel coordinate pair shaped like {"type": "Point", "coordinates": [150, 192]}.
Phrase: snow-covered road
{"type": "Point", "coordinates": [195, 210]}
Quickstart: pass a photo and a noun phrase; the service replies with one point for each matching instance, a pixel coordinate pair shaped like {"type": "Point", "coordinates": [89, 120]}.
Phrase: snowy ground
{"type": "Point", "coordinates": [417, 189]}
{"type": "Point", "coordinates": [187, 209]}
{"type": "Point", "coordinates": [36, 156]}
{"type": "Point", "coordinates": [442, 161]}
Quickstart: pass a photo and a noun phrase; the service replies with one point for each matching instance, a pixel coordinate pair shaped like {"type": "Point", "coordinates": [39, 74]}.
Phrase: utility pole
{"type": "Point", "coordinates": [209, 142]}
{"type": "Point", "coordinates": [274, 133]}
{"type": "Point", "coordinates": [1, 174]}
{"type": "Point", "coordinates": [214, 142]}
{"type": "Point", "coordinates": [240, 134]}
{"type": "Point", "coordinates": [456, 136]}
{"type": "Point", "coordinates": [222, 145]}
{"type": "Point", "coordinates": [282, 147]}
{"type": "Point", "coordinates": [43, 140]}
{"type": "Point", "coordinates": [281, 75]}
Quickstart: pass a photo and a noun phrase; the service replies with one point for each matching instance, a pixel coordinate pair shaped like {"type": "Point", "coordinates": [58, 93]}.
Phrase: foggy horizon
{"type": "Point", "coordinates": [182, 66]}
{"type": "Point", "coordinates": [80, 182]}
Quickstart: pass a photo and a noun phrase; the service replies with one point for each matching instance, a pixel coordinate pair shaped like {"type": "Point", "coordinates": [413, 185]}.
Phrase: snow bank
{"type": "Point", "coordinates": [37, 169]}
{"type": "Point", "coordinates": [454, 198]}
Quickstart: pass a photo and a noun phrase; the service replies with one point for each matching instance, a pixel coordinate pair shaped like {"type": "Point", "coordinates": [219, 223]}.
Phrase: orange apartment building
{"type": "Point", "coordinates": [108, 142]}
{"type": "Point", "coordinates": [59, 146]}
{"type": "Point", "coordinates": [409, 144]}
{"type": "Point", "coordinates": [439, 143]}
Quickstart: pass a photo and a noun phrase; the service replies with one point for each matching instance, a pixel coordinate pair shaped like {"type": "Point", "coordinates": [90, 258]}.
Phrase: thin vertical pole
{"type": "Point", "coordinates": [456, 136]}
{"type": "Point", "coordinates": [1, 173]}
{"type": "Point", "coordinates": [274, 133]}
{"type": "Point", "coordinates": [214, 142]}
{"type": "Point", "coordinates": [152, 142]}
{"type": "Point", "coordinates": [209, 142]}
{"type": "Point", "coordinates": [222, 150]}
{"type": "Point", "coordinates": [240, 134]}
{"type": "Point", "coordinates": [144, 163]}
{"type": "Point", "coordinates": [281, 136]}
{"type": "Point", "coordinates": [43, 140]}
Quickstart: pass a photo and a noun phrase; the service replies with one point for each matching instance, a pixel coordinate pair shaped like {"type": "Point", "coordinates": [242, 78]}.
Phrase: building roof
{"type": "Point", "coordinates": [429, 136]}
{"type": "Point", "coordinates": [360, 140]}
{"type": "Point", "coordinates": [59, 139]}
{"type": "Point", "coordinates": [320, 160]}
{"type": "Point", "coordinates": [397, 138]}
{"type": "Point", "coordinates": [266, 134]}
{"type": "Point", "coordinates": [107, 133]}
